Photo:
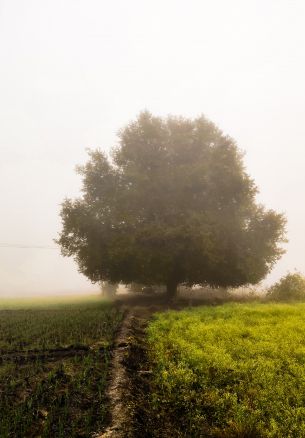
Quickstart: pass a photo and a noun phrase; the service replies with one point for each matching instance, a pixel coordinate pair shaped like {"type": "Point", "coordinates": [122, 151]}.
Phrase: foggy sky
{"type": "Point", "coordinates": [73, 72]}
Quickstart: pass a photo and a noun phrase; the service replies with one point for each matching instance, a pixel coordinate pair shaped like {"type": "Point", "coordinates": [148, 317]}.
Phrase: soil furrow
{"type": "Point", "coordinates": [44, 355]}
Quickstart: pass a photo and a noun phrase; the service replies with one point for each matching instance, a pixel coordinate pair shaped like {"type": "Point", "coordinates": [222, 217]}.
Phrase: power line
{"type": "Point", "coordinates": [22, 246]}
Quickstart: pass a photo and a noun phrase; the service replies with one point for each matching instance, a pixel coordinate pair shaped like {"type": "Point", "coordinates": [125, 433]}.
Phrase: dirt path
{"type": "Point", "coordinates": [118, 392]}
{"type": "Point", "coordinates": [126, 363]}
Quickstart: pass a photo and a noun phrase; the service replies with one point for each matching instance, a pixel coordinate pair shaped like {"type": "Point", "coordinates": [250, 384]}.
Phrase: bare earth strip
{"type": "Point", "coordinates": [121, 386]}
{"type": "Point", "coordinates": [50, 355]}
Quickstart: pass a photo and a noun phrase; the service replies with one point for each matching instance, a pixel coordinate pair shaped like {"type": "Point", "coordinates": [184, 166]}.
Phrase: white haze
{"type": "Point", "coordinates": [74, 71]}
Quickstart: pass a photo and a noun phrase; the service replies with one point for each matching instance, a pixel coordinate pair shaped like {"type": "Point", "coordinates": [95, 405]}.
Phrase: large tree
{"type": "Point", "coordinates": [172, 205]}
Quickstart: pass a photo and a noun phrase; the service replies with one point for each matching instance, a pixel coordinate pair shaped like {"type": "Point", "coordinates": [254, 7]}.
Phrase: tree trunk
{"type": "Point", "coordinates": [171, 290]}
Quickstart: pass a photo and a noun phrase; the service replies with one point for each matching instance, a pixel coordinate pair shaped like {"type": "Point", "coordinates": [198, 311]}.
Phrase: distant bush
{"type": "Point", "coordinates": [218, 295]}
{"type": "Point", "coordinates": [289, 288]}
{"type": "Point", "coordinates": [246, 294]}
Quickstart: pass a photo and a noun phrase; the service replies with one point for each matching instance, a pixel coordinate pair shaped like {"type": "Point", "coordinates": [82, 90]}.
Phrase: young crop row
{"type": "Point", "coordinates": [54, 396]}
{"type": "Point", "coordinates": [80, 323]}
{"type": "Point", "coordinates": [228, 371]}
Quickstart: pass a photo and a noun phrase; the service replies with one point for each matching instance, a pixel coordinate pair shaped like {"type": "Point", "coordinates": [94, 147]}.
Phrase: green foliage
{"type": "Point", "coordinates": [54, 368]}
{"type": "Point", "coordinates": [230, 371]}
{"type": "Point", "coordinates": [290, 287]}
{"type": "Point", "coordinates": [173, 205]}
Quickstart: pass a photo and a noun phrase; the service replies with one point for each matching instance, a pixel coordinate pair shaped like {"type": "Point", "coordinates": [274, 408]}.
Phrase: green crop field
{"type": "Point", "coordinates": [234, 370]}
{"type": "Point", "coordinates": [54, 357]}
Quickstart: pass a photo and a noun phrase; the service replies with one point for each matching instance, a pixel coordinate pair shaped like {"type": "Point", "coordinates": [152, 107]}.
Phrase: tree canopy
{"type": "Point", "coordinates": [171, 205]}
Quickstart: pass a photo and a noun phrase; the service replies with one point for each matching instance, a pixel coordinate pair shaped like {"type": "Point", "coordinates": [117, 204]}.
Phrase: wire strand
{"type": "Point", "coordinates": [23, 246]}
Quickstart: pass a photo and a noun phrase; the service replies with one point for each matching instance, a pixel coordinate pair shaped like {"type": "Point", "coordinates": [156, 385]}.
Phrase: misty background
{"type": "Point", "coordinates": [73, 72]}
